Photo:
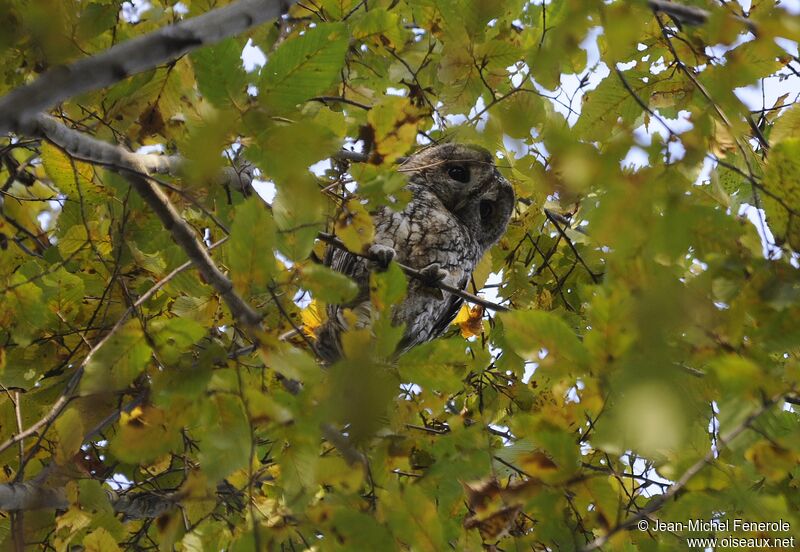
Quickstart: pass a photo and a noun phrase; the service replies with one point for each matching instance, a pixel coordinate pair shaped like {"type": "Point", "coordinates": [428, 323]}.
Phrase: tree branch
{"type": "Point", "coordinates": [563, 233]}
{"type": "Point", "coordinates": [83, 147]}
{"type": "Point", "coordinates": [659, 501]}
{"type": "Point", "coordinates": [20, 107]}
{"type": "Point", "coordinates": [135, 168]}
{"type": "Point", "coordinates": [185, 237]}
{"type": "Point", "coordinates": [30, 495]}
{"type": "Point", "coordinates": [66, 396]}
{"type": "Point", "coordinates": [692, 15]}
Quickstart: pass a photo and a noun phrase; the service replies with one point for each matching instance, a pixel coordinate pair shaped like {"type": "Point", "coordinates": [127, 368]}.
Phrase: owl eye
{"type": "Point", "coordinates": [459, 173]}
{"type": "Point", "coordinates": [486, 209]}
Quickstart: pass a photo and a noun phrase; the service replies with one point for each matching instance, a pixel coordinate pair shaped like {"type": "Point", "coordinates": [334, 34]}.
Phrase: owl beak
{"type": "Point", "coordinates": [490, 194]}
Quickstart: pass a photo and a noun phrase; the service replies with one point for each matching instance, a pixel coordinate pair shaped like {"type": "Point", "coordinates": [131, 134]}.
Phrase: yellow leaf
{"type": "Point", "coordinates": [470, 320]}
{"type": "Point", "coordinates": [312, 317]}
{"type": "Point", "coordinates": [538, 464]}
{"type": "Point", "coordinates": [771, 461]}
{"type": "Point", "coordinates": [100, 540]}
{"type": "Point", "coordinates": [394, 123]}
{"type": "Point", "coordinates": [65, 173]}
{"type": "Point", "coordinates": [354, 226]}
{"type": "Point", "coordinates": [722, 142]}
{"type": "Point", "coordinates": [781, 199]}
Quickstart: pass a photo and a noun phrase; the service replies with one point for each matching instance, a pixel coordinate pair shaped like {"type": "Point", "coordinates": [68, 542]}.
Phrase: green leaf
{"type": "Point", "coordinates": [69, 428]}
{"type": "Point", "coordinates": [299, 215]}
{"type": "Point", "coordinates": [381, 25]}
{"type": "Point", "coordinates": [604, 105]}
{"type": "Point", "coordinates": [252, 240]}
{"type": "Point", "coordinates": [304, 66]}
{"type": "Point", "coordinates": [435, 366]}
{"type": "Point", "coordinates": [738, 376]}
{"type": "Point", "coordinates": [117, 362]}
{"type": "Point", "coordinates": [220, 76]}
{"type": "Point", "coordinates": [100, 540]}
{"type": "Point", "coordinates": [65, 293]}
{"type": "Point", "coordinates": [354, 226]}
{"type": "Point", "coordinates": [145, 434]}
{"type": "Point", "coordinates": [328, 285]}
{"type": "Point", "coordinates": [174, 336]}
{"type": "Point", "coordinates": [226, 437]}
{"type": "Point", "coordinates": [528, 332]}
{"type": "Point", "coordinates": [781, 195]}
{"type": "Point", "coordinates": [368, 386]}
{"type": "Point", "coordinates": [286, 150]}
{"type": "Point", "coordinates": [67, 174]}
{"type": "Point", "coordinates": [787, 126]}
{"type": "Point", "coordinates": [394, 123]}
{"type": "Point", "coordinates": [95, 19]}
{"type": "Point", "coordinates": [203, 147]}
{"type": "Point", "coordinates": [362, 532]}
{"type": "Point", "coordinates": [387, 287]}
{"type": "Point", "coordinates": [520, 113]}
{"type": "Point", "coordinates": [25, 307]}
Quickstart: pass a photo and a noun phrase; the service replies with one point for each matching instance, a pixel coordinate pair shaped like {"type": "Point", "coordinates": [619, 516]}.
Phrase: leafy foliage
{"type": "Point", "coordinates": [654, 329]}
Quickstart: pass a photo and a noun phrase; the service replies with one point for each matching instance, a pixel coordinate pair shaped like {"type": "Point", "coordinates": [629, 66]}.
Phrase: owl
{"type": "Point", "coordinates": [460, 206]}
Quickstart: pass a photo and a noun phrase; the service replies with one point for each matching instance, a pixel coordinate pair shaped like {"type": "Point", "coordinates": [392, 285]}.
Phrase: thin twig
{"type": "Point", "coordinates": [561, 231]}
{"type": "Point", "coordinates": [72, 384]}
{"type": "Point", "coordinates": [330, 239]}
{"type": "Point", "coordinates": [659, 501]}
{"type": "Point", "coordinates": [340, 99]}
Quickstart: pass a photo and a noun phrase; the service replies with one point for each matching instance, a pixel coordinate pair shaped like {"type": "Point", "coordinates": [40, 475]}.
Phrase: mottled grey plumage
{"type": "Point", "coordinates": [460, 208]}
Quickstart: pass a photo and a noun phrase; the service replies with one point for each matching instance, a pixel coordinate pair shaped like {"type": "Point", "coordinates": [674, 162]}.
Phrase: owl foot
{"type": "Point", "coordinates": [381, 256]}
{"type": "Point", "coordinates": [433, 274]}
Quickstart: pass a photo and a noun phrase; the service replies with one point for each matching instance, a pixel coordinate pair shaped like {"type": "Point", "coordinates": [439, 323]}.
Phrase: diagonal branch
{"type": "Point", "coordinates": [659, 501]}
{"type": "Point", "coordinates": [135, 169]}
{"type": "Point", "coordinates": [184, 235]}
{"type": "Point", "coordinates": [19, 108]}
{"type": "Point", "coordinates": [73, 382]}
{"type": "Point", "coordinates": [691, 15]}
{"type": "Point", "coordinates": [564, 235]}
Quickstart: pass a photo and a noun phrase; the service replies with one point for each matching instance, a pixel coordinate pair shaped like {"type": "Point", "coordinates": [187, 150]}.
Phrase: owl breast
{"type": "Point", "coordinates": [424, 233]}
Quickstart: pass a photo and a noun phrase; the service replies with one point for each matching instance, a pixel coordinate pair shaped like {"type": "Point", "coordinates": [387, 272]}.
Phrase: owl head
{"type": "Point", "coordinates": [468, 184]}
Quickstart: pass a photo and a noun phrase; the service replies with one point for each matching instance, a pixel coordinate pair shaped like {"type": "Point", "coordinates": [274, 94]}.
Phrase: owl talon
{"type": "Point", "coordinates": [381, 256]}
{"type": "Point", "coordinates": [433, 274]}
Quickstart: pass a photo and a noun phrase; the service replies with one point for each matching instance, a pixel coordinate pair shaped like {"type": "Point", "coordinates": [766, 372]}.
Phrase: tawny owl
{"type": "Point", "coordinates": [460, 207]}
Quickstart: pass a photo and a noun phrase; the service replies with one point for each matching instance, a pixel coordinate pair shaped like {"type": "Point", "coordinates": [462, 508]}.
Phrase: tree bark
{"type": "Point", "coordinates": [19, 108]}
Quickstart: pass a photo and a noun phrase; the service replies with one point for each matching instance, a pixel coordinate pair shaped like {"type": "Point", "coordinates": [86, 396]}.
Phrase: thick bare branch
{"type": "Point", "coordinates": [35, 495]}
{"type": "Point", "coordinates": [31, 496]}
{"type": "Point", "coordinates": [691, 15]}
{"type": "Point", "coordinates": [135, 168]}
{"type": "Point", "coordinates": [84, 147]}
{"type": "Point", "coordinates": [184, 235]}
{"type": "Point", "coordinates": [20, 107]}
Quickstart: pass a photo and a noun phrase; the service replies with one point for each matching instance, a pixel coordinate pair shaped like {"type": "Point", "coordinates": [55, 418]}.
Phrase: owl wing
{"type": "Point", "coordinates": [328, 345]}
{"type": "Point", "coordinates": [452, 304]}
